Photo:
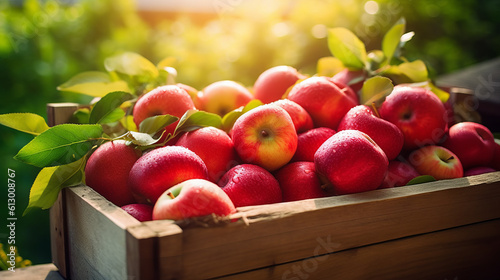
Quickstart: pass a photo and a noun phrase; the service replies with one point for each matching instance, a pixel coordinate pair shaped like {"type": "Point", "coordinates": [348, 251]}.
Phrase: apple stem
{"type": "Point", "coordinates": [375, 109]}
{"type": "Point", "coordinates": [171, 195]}
{"type": "Point", "coordinates": [450, 158]}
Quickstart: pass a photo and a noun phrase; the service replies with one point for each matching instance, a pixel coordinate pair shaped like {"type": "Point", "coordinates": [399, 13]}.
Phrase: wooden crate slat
{"type": "Point", "coordinates": [466, 252]}
{"type": "Point", "coordinates": [58, 246]}
{"type": "Point", "coordinates": [354, 221]}
{"type": "Point", "coordinates": [97, 234]}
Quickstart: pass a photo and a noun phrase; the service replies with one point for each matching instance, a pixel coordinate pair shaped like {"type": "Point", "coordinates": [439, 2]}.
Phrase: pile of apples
{"type": "Point", "coordinates": [310, 138]}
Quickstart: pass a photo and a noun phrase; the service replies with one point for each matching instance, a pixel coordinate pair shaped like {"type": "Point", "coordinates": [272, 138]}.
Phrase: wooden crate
{"type": "Point", "coordinates": [448, 229]}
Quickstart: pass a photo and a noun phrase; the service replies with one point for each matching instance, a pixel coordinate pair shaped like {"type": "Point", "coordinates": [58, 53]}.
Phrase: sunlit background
{"type": "Point", "coordinates": [44, 43]}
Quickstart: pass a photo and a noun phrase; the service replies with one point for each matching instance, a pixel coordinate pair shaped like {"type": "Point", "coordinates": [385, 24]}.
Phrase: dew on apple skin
{"type": "Point", "coordinates": [235, 179]}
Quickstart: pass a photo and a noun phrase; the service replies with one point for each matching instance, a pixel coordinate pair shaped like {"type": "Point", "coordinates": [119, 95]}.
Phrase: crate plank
{"type": "Point", "coordinates": [96, 230]}
{"type": "Point", "coordinates": [466, 252]}
{"type": "Point", "coordinates": [286, 232]}
{"type": "Point", "coordinates": [58, 236]}
{"type": "Point", "coordinates": [58, 113]}
{"type": "Point", "coordinates": [141, 245]}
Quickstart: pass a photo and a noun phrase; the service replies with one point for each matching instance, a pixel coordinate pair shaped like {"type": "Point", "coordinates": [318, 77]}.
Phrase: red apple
{"type": "Point", "coordinates": [478, 170]}
{"type": "Point", "coordinates": [192, 198]}
{"type": "Point", "coordinates": [308, 143]}
{"type": "Point", "coordinates": [273, 83]}
{"type": "Point", "coordinates": [222, 97]}
{"type": "Point", "coordinates": [300, 117]}
{"type": "Point", "coordinates": [473, 143]}
{"type": "Point", "coordinates": [142, 212]}
{"type": "Point", "coordinates": [162, 168]}
{"type": "Point", "coordinates": [398, 174]}
{"type": "Point", "coordinates": [385, 134]}
{"type": "Point", "coordinates": [192, 92]}
{"type": "Point", "coordinates": [299, 180]}
{"type": "Point", "coordinates": [437, 162]}
{"type": "Point", "coordinates": [352, 162]}
{"type": "Point", "coordinates": [495, 161]}
{"type": "Point", "coordinates": [353, 78]}
{"type": "Point", "coordinates": [325, 102]}
{"type": "Point", "coordinates": [418, 113]}
{"type": "Point", "coordinates": [170, 99]}
{"type": "Point", "coordinates": [249, 184]}
{"type": "Point", "coordinates": [108, 168]}
{"type": "Point", "coordinates": [215, 148]}
{"type": "Point", "coordinates": [265, 136]}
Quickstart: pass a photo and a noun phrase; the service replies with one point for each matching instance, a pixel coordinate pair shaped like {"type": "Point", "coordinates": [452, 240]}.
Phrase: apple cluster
{"type": "Point", "coordinates": [311, 138]}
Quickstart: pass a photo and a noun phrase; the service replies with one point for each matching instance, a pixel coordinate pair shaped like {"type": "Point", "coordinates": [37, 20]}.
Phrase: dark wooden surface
{"type": "Point", "coordinates": [483, 80]}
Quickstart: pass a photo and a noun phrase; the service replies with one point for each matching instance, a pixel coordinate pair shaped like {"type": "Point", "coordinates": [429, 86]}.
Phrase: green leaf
{"type": "Point", "coordinates": [420, 180]}
{"type": "Point", "coordinates": [59, 145]}
{"type": "Point", "coordinates": [132, 64]}
{"type": "Point", "coordinates": [329, 66]}
{"type": "Point", "coordinates": [153, 125]}
{"type": "Point", "coordinates": [375, 89]}
{"type": "Point", "coordinates": [375, 59]}
{"type": "Point", "coordinates": [81, 116]}
{"type": "Point", "coordinates": [231, 117]}
{"type": "Point", "coordinates": [347, 47]}
{"type": "Point", "coordinates": [441, 94]}
{"type": "Point", "coordinates": [407, 72]}
{"type": "Point", "coordinates": [93, 83]}
{"type": "Point", "coordinates": [25, 122]}
{"type": "Point", "coordinates": [391, 40]}
{"type": "Point", "coordinates": [402, 42]}
{"type": "Point", "coordinates": [50, 181]}
{"type": "Point", "coordinates": [108, 108]}
{"type": "Point", "coordinates": [194, 119]}
{"type": "Point", "coordinates": [141, 138]}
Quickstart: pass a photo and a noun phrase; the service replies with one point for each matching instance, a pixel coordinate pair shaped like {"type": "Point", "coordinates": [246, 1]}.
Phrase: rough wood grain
{"type": "Point", "coordinates": [58, 236]}
{"type": "Point", "coordinates": [96, 230]}
{"type": "Point", "coordinates": [466, 252]}
{"type": "Point", "coordinates": [288, 232]}
{"type": "Point", "coordinates": [58, 113]}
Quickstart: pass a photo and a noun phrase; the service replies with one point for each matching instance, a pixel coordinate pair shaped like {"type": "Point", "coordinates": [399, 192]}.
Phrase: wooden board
{"type": "Point", "coordinates": [273, 235]}
{"type": "Point", "coordinates": [466, 252]}
{"type": "Point", "coordinates": [287, 232]}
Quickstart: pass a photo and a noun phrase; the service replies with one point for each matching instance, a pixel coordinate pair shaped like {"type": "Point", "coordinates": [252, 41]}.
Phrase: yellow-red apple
{"type": "Point", "coordinates": [265, 136]}
{"type": "Point", "coordinates": [437, 162]}
{"type": "Point", "coordinates": [222, 97]}
{"type": "Point", "coordinates": [192, 198]}
{"type": "Point", "coordinates": [273, 83]}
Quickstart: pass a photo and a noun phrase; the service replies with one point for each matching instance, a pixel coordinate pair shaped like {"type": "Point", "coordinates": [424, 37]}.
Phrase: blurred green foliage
{"type": "Point", "coordinates": [45, 43]}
